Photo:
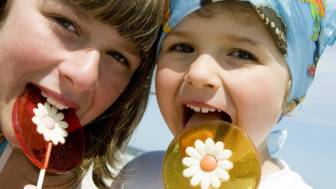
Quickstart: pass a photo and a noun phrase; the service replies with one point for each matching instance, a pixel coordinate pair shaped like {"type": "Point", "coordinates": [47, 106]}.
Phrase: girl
{"type": "Point", "coordinates": [91, 56]}
{"type": "Point", "coordinates": [244, 62]}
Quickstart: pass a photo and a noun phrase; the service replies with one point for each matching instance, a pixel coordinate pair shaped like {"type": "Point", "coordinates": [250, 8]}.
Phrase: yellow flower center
{"type": "Point", "coordinates": [208, 163]}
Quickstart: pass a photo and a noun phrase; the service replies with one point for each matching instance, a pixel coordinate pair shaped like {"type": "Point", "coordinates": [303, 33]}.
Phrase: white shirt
{"type": "Point", "coordinates": [285, 178]}
{"type": "Point", "coordinates": [144, 172]}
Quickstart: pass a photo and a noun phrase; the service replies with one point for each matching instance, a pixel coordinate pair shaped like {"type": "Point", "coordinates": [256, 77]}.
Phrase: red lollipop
{"type": "Point", "coordinates": [63, 157]}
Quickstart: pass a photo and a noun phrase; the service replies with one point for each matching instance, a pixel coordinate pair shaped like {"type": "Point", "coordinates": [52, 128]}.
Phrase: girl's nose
{"type": "Point", "coordinates": [202, 73]}
{"type": "Point", "coordinates": [81, 68]}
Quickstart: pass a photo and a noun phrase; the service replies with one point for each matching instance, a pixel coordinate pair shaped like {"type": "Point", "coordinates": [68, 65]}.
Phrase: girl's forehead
{"type": "Point", "coordinates": [237, 12]}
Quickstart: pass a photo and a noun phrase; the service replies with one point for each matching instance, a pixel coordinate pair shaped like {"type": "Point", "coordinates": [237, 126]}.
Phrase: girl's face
{"type": "Point", "coordinates": [220, 68]}
{"type": "Point", "coordinates": [73, 58]}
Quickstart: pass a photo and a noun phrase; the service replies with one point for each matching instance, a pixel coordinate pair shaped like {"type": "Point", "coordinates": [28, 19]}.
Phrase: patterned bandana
{"type": "Point", "coordinates": [302, 28]}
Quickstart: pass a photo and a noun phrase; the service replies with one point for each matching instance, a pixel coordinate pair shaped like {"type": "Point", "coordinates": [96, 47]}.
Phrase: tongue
{"type": "Point", "coordinates": [198, 119]}
{"type": "Point", "coordinates": [63, 157]}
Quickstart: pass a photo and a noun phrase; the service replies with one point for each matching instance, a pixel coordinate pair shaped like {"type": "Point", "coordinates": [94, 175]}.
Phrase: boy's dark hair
{"type": "Point", "coordinates": [138, 21]}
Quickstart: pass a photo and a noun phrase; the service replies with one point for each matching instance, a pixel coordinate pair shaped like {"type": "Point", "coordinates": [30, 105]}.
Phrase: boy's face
{"type": "Point", "coordinates": [219, 67]}
{"type": "Point", "coordinates": [73, 58]}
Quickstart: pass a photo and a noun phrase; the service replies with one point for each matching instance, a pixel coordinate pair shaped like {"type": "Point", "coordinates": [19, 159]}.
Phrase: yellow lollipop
{"type": "Point", "coordinates": [213, 155]}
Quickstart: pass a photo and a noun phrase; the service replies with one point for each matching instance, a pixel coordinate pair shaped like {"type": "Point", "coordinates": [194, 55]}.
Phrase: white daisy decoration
{"type": "Point", "coordinates": [207, 164]}
{"type": "Point", "coordinates": [50, 123]}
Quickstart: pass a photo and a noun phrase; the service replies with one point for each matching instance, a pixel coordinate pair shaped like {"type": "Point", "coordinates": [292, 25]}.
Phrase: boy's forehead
{"type": "Point", "coordinates": [67, 4]}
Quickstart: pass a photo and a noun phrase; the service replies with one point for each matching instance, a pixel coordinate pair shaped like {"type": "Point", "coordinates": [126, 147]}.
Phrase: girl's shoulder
{"type": "Point", "coordinates": [143, 172]}
{"type": "Point", "coordinates": [285, 178]}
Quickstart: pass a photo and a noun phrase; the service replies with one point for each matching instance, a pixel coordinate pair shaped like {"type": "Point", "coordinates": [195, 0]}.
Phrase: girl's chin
{"type": "Point", "coordinates": [9, 134]}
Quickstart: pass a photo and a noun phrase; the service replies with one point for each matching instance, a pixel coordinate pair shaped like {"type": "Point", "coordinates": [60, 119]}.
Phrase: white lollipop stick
{"type": "Point", "coordinates": [45, 165]}
{"type": "Point", "coordinates": [41, 178]}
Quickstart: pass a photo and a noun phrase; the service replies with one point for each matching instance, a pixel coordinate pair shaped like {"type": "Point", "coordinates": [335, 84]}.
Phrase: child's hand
{"type": "Point", "coordinates": [29, 186]}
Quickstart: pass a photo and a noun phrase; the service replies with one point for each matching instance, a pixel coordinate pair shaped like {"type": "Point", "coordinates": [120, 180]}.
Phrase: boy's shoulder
{"type": "Point", "coordinates": [143, 172]}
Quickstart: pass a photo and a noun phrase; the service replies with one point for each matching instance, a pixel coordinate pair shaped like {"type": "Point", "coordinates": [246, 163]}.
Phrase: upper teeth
{"type": "Point", "coordinates": [54, 102]}
{"type": "Point", "coordinates": [202, 109]}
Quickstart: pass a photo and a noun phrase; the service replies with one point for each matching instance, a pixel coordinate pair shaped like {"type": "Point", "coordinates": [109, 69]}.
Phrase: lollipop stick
{"type": "Point", "coordinates": [45, 165]}
{"type": "Point", "coordinates": [41, 178]}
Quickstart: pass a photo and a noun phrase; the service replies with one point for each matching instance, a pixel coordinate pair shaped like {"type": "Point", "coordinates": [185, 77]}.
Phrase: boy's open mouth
{"type": "Point", "coordinates": [63, 156]}
{"type": "Point", "coordinates": [196, 115]}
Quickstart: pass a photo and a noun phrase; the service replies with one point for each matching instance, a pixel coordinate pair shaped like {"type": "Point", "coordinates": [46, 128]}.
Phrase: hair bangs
{"type": "Point", "coordinates": [137, 21]}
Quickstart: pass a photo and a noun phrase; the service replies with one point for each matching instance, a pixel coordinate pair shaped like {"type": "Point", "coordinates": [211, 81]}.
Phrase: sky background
{"type": "Point", "coordinates": [311, 144]}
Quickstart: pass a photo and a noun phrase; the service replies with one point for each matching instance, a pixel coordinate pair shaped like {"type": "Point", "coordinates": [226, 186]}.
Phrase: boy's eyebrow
{"type": "Point", "coordinates": [131, 48]}
{"type": "Point", "coordinates": [80, 13]}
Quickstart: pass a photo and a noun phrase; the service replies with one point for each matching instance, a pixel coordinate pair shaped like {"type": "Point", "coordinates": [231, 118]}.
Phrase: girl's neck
{"type": "Point", "coordinates": [269, 165]}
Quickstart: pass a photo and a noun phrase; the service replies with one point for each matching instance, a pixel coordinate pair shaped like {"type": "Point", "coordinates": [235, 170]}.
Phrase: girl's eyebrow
{"type": "Point", "coordinates": [232, 37]}
{"type": "Point", "coordinates": [241, 39]}
{"type": "Point", "coordinates": [178, 34]}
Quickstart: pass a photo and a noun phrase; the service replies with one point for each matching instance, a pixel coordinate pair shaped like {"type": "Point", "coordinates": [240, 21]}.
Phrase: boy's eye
{"type": "Point", "coordinates": [119, 58]}
{"type": "Point", "coordinates": [182, 47]}
{"type": "Point", "coordinates": [242, 55]}
{"type": "Point", "coordinates": [66, 24]}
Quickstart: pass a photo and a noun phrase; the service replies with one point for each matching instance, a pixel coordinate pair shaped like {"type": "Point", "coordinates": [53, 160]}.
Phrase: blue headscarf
{"type": "Point", "coordinates": [310, 26]}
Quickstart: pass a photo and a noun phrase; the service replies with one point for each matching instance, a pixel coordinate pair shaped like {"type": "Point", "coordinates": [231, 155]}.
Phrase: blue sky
{"type": "Point", "coordinates": [310, 147]}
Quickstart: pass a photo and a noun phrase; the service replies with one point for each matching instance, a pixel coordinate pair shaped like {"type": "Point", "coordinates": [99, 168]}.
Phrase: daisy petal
{"type": "Point", "coordinates": [62, 124]}
{"type": "Point", "coordinates": [47, 107]}
{"type": "Point", "coordinates": [222, 174]}
{"type": "Point", "coordinates": [188, 172]}
{"type": "Point", "coordinates": [205, 183]}
{"type": "Point", "coordinates": [192, 152]}
{"type": "Point", "coordinates": [214, 180]}
{"type": "Point", "coordinates": [219, 146]}
{"type": "Point", "coordinates": [54, 140]}
{"type": "Point", "coordinates": [40, 129]}
{"type": "Point", "coordinates": [37, 112]}
{"type": "Point", "coordinates": [61, 140]}
{"type": "Point", "coordinates": [197, 178]}
{"type": "Point", "coordinates": [189, 162]}
{"type": "Point", "coordinates": [52, 111]}
{"type": "Point", "coordinates": [60, 132]}
{"type": "Point", "coordinates": [200, 147]}
{"type": "Point", "coordinates": [225, 164]}
{"type": "Point", "coordinates": [225, 154]}
{"type": "Point", "coordinates": [46, 137]}
{"type": "Point", "coordinates": [209, 145]}
{"type": "Point", "coordinates": [59, 117]}
{"type": "Point", "coordinates": [42, 109]}
{"type": "Point", "coordinates": [36, 120]}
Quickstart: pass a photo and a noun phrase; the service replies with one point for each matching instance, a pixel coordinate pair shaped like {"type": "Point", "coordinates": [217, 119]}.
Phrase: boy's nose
{"type": "Point", "coordinates": [202, 73]}
{"type": "Point", "coordinates": [81, 68]}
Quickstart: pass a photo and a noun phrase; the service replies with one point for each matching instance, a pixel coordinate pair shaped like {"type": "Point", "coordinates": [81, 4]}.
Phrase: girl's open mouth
{"type": "Point", "coordinates": [194, 115]}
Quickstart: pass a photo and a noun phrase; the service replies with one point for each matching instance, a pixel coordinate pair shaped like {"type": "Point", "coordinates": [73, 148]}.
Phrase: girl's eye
{"type": "Point", "coordinates": [66, 24]}
{"type": "Point", "coordinates": [182, 47]}
{"type": "Point", "coordinates": [119, 58]}
{"type": "Point", "coordinates": [241, 54]}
